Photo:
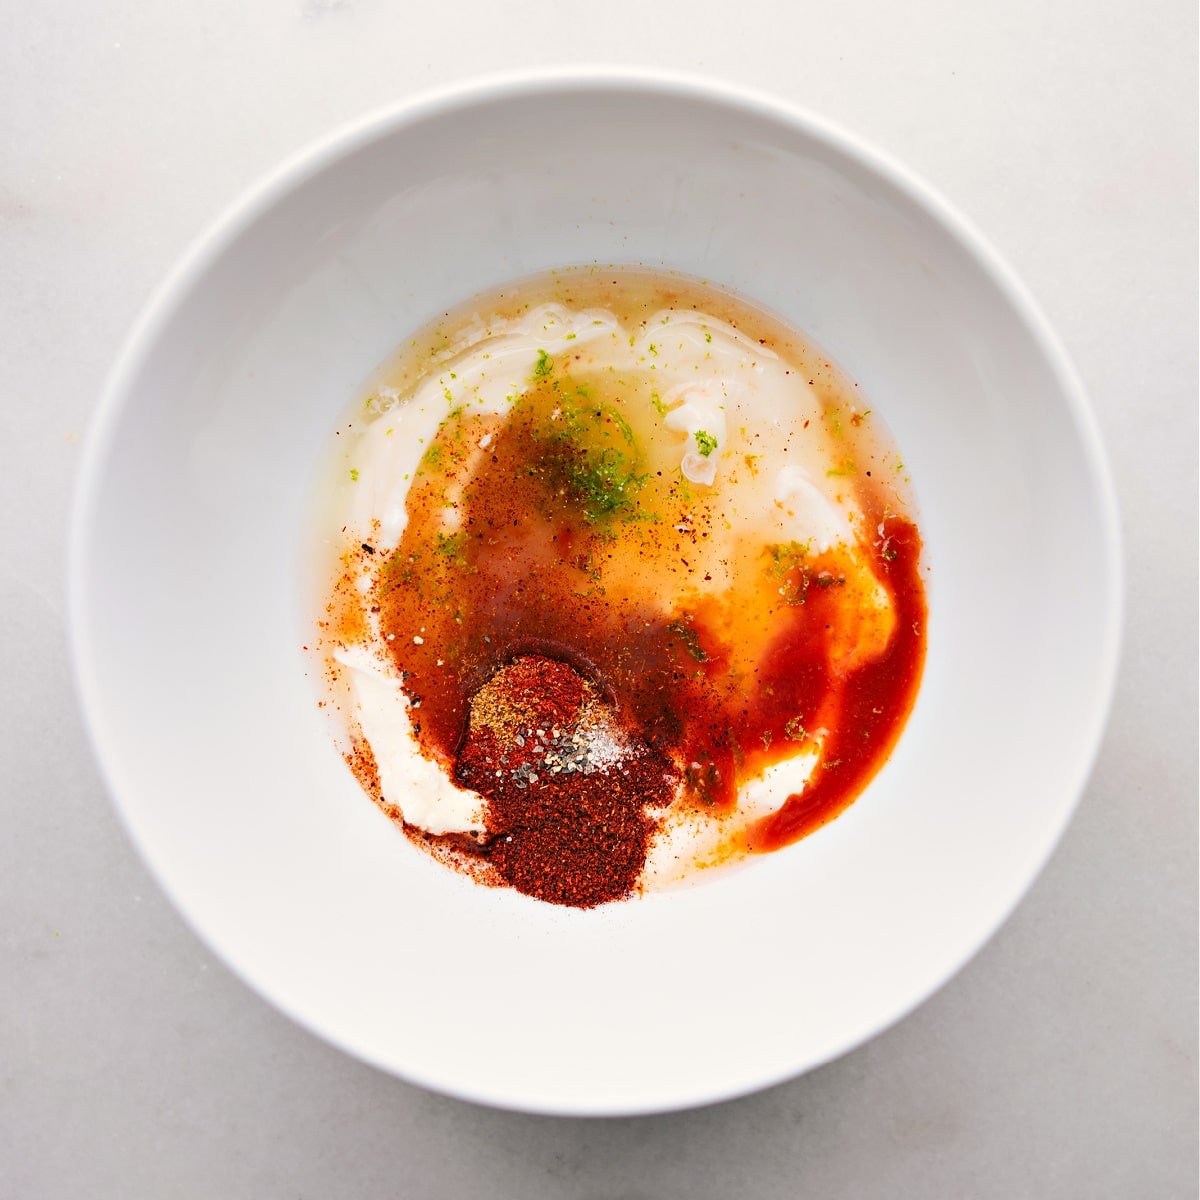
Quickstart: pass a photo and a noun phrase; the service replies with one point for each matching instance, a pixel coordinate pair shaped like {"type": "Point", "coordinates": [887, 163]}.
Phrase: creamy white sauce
{"type": "Point", "coordinates": [417, 786]}
{"type": "Point", "coordinates": [711, 380]}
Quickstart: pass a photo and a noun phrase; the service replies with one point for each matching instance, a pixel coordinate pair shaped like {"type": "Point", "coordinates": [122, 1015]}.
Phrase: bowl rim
{"type": "Point", "coordinates": [210, 245]}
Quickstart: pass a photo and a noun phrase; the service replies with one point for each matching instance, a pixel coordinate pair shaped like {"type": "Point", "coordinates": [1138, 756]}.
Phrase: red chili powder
{"type": "Point", "coordinates": [567, 789]}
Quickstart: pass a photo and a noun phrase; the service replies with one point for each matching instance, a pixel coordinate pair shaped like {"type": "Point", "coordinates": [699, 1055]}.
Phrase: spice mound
{"type": "Point", "coordinates": [567, 789]}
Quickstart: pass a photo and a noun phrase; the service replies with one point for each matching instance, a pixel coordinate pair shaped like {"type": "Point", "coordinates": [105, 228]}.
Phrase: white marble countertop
{"type": "Point", "coordinates": [1060, 1063]}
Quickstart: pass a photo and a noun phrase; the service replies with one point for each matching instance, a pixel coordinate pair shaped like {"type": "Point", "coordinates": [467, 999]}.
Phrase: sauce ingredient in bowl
{"type": "Point", "coordinates": [627, 584]}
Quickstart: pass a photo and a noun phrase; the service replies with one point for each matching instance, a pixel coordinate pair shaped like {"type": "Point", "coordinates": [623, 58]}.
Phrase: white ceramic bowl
{"type": "Point", "coordinates": [187, 614]}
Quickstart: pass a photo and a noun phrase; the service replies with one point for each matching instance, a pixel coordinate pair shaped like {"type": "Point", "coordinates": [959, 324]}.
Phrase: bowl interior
{"type": "Point", "coordinates": [189, 612]}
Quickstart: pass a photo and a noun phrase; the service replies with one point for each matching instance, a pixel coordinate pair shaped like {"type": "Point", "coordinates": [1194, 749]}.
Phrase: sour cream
{"type": "Point", "coordinates": [722, 410]}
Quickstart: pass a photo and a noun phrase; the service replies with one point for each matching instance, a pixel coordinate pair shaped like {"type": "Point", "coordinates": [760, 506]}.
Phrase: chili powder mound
{"type": "Point", "coordinates": [567, 788]}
